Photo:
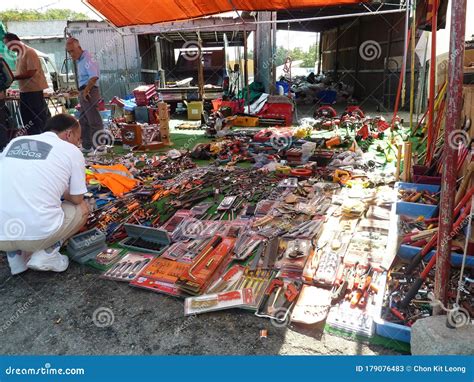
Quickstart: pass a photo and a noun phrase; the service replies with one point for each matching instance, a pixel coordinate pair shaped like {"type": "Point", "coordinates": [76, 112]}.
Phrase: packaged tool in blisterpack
{"type": "Point", "coordinates": [217, 301]}
{"type": "Point", "coordinates": [258, 280]}
{"type": "Point", "coordinates": [293, 255]}
{"type": "Point", "coordinates": [278, 300]}
{"type": "Point", "coordinates": [207, 266]}
{"type": "Point", "coordinates": [161, 275]}
{"type": "Point", "coordinates": [128, 267]}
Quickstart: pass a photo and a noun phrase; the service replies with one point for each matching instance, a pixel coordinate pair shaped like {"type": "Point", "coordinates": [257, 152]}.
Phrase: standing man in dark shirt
{"type": "Point", "coordinates": [89, 96]}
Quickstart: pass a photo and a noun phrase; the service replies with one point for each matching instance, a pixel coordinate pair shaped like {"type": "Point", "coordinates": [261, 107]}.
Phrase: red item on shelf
{"type": "Point", "coordinates": [143, 94]}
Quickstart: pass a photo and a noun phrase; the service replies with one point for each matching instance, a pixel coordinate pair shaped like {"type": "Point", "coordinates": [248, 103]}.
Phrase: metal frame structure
{"type": "Point", "coordinates": [453, 121]}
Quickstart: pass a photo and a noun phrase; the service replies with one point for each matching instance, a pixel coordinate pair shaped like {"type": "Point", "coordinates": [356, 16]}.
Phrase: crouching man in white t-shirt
{"type": "Point", "coordinates": [42, 187]}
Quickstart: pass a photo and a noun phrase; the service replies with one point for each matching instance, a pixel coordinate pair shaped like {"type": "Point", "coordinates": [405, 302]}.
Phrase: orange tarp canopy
{"type": "Point", "coordinates": [124, 13]}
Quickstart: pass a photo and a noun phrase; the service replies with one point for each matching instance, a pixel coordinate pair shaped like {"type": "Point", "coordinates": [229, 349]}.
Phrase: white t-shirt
{"type": "Point", "coordinates": [35, 171]}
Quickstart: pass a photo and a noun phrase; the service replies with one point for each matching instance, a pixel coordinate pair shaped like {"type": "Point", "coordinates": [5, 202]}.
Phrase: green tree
{"type": "Point", "coordinates": [296, 54]}
{"type": "Point", "coordinates": [34, 15]}
{"type": "Point", "coordinates": [310, 57]}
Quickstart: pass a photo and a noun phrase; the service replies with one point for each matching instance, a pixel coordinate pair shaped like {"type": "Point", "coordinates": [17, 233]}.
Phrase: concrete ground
{"type": "Point", "coordinates": [78, 313]}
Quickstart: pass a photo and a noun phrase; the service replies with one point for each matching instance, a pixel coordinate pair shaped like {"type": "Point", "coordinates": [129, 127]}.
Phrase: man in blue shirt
{"type": "Point", "coordinates": [89, 96]}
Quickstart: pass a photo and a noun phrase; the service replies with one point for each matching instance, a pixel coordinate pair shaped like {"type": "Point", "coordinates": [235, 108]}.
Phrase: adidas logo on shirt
{"type": "Point", "coordinates": [29, 149]}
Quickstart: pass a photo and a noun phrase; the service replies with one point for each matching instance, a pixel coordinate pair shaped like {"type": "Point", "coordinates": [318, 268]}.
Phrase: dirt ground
{"type": "Point", "coordinates": [77, 313]}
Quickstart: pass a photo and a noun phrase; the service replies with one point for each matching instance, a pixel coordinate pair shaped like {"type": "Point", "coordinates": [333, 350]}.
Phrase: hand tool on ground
{"type": "Point", "coordinates": [271, 291]}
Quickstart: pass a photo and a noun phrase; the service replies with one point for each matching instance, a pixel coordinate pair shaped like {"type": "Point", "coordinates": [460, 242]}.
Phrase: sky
{"type": "Point", "coordinates": [284, 39]}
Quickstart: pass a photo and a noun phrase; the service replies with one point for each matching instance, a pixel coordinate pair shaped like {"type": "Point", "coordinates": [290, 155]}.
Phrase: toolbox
{"type": "Point", "coordinates": [236, 106]}
{"type": "Point", "coordinates": [143, 94]}
{"type": "Point", "coordinates": [416, 209]}
{"type": "Point", "coordinates": [279, 110]}
{"type": "Point", "coordinates": [86, 245]}
{"type": "Point", "coordinates": [145, 239]}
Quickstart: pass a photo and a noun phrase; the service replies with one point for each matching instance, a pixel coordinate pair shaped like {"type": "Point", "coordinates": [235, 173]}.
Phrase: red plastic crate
{"type": "Point", "coordinates": [278, 111]}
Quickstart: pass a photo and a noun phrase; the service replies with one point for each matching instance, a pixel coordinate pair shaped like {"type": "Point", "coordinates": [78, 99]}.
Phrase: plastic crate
{"type": "Point", "coordinates": [386, 328]}
{"type": "Point", "coordinates": [420, 177]}
{"type": "Point", "coordinates": [86, 245]}
{"type": "Point", "coordinates": [408, 252]}
{"type": "Point", "coordinates": [417, 209]}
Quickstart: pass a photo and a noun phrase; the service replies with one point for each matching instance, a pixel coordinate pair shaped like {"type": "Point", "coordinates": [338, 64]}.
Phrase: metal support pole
{"type": "Point", "coordinates": [453, 120]}
{"type": "Point", "coordinates": [336, 61]}
{"type": "Point", "coordinates": [320, 51]}
{"type": "Point", "coordinates": [246, 67]}
{"type": "Point", "coordinates": [405, 50]}
{"type": "Point", "coordinates": [432, 93]}
{"type": "Point", "coordinates": [200, 69]}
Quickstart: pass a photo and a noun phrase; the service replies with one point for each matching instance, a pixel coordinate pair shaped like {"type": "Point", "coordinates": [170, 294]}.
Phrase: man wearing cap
{"type": "Point", "coordinates": [89, 97]}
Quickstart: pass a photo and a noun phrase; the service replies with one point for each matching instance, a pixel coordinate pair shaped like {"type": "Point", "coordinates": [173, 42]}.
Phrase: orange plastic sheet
{"type": "Point", "coordinates": [124, 13]}
{"type": "Point", "coordinates": [116, 178]}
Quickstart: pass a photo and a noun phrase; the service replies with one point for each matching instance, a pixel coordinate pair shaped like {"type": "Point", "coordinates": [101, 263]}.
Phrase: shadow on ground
{"type": "Point", "coordinates": [47, 313]}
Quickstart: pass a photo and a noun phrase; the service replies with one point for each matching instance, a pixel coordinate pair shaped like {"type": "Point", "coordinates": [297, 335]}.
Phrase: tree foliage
{"type": "Point", "coordinates": [296, 54]}
{"type": "Point", "coordinates": [34, 15]}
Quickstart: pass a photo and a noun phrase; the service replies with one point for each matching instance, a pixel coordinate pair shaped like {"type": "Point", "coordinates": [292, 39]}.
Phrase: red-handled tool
{"type": "Point", "coordinates": [424, 274]}
{"type": "Point", "coordinates": [432, 242]}
{"type": "Point", "coordinates": [271, 289]}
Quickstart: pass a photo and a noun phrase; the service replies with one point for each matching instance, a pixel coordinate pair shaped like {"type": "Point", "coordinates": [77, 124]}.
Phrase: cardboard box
{"type": "Point", "coordinates": [195, 109]}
